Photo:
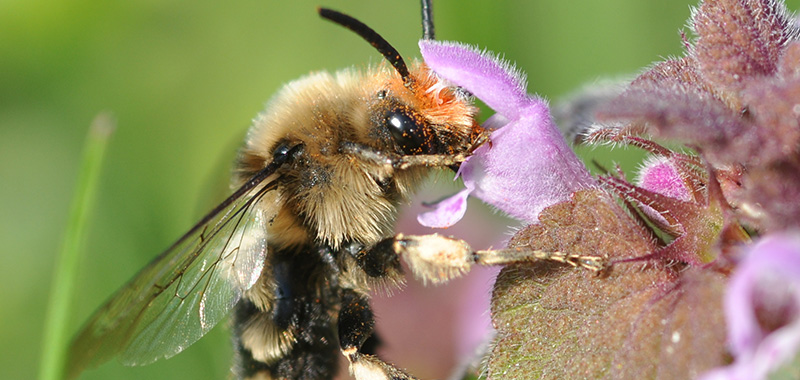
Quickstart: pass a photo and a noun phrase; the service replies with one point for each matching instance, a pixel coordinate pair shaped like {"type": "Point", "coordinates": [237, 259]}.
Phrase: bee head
{"type": "Point", "coordinates": [421, 114]}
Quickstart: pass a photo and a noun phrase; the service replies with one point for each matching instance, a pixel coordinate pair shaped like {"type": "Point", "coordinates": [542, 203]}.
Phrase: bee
{"type": "Point", "coordinates": [293, 253]}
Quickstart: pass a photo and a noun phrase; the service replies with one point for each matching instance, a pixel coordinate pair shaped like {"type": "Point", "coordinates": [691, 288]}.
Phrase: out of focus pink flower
{"type": "Point", "coordinates": [762, 308]}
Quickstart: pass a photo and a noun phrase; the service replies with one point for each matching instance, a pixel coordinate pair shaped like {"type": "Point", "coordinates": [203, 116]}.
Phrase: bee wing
{"type": "Point", "coordinates": [185, 291]}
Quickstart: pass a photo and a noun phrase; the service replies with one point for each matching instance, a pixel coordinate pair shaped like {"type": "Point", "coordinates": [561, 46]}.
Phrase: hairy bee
{"type": "Point", "coordinates": [293, 253]}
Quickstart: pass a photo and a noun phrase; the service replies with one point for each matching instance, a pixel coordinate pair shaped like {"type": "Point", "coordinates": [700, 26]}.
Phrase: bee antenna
{"type": "Point", "coordinates": [384, 47]}
{"type": "Point", "coordinates": [428, 32]}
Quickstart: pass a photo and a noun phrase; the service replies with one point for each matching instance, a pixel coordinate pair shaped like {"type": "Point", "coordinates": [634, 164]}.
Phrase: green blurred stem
{"type": "Point", "coordinates": [54, 344]}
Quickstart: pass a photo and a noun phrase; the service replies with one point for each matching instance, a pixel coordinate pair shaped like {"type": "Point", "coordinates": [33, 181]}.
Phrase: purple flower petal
{"type": "Point", "coordinates": [528, 165]}
{"type": "Point", "coordinates": [660, 175]}
{"type": "Point", "coordinates": [446, 212]}
{"type": "Point", "coordinates": [773, 261]}
{"type": "Point", "coordinates": [765, 287]}
{"type": "Point", "coordinates": [526, 168]}
{"type": "Point", "coordinates": [490, 79]}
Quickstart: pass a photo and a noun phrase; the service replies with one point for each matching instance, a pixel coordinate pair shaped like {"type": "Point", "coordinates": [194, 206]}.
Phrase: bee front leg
{"type": "Point", "coordinates": [356, 323]}
{"type": "Point", "coordinates": [393, 161]}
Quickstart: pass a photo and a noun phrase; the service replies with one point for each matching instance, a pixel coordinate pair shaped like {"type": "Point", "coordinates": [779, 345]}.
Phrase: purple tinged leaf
{"type": "Point", "coordinates": [734, 99]}
{"type": "Point", "coordinates": [677, 70]}
{"type": "Point", "coordinates": [690, 116]}
{"type": "Point", "coordinates": [775, 106]}
{"type": "Point", "coordinates": [655, 321]}
{"type": "Point", "coordinates": [789, 65]}
{"type": "Point", "coordinates": [773, 191]}
{"type": "Point", "coordinates": [739, 40]}
{"type": "Point", "coordinates": [527, 166]}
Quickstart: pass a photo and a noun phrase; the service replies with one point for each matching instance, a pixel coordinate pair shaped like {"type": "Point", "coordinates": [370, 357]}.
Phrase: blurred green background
{"type": "Point", "coordinates": [183, 80]}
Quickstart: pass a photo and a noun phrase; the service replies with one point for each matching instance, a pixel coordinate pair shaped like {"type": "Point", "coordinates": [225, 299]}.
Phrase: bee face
{"type": "Point", "coordinates": [351, 125]}
{"type": "Point", "coordinates": [425, 117]}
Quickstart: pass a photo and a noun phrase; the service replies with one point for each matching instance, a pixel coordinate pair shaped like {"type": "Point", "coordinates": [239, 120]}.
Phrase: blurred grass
{"type": "Point", "coordinates": [184, 79]}
{"type": "Point", "coordinates": [62, 290]}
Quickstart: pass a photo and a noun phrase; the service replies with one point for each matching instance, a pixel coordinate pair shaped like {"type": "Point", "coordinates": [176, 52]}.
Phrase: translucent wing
{"type": "Point", "coordinates": [184, 292]}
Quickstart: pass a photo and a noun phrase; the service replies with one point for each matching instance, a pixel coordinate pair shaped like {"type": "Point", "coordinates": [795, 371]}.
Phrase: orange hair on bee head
{"type": "Point", "coordinates": [438, 100]}
{"type": "Point", "coordinates": [421, 88]}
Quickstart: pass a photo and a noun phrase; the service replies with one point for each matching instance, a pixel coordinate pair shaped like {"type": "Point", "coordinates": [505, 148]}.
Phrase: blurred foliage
{"type": "Point", "coordinates": [183, 80]}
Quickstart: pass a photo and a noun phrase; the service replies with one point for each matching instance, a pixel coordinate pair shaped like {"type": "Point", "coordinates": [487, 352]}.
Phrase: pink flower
{"type": "Point", "coordinates": [527, 166]}
{"type": "Point", "coordinates": [762, 308]}
{"type": "Point", "coordinates": [662, 175]}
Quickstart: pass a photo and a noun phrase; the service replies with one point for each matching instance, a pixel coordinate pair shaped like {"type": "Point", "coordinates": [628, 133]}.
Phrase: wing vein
{"type": "Point", "coordinates": [185, 291]}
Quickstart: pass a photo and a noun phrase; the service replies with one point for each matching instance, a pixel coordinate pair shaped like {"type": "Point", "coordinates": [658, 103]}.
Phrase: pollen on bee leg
{"type": "Point", "coordinates": [350, 353]}
{"type": "Point", "coordinates": [360, 152]}
{"type": "Point", "coordinates": [368, 367]}
{"type": "Point", "coordinates": [435, 258]}
{"type": "Point", "coordinates": [429, 160]}
{"type": "Point", "coordinates": [364, 370]}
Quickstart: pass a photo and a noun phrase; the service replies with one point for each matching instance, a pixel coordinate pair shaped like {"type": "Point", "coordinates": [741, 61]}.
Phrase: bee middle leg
{"type": "Point", "coordinates": [356, 324]}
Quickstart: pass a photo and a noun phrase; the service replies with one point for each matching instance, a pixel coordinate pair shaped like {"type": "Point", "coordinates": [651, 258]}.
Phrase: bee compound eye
{"type": "Point", "coordinates": [285, 152]}
{"type": "Point", "coordinates": [280, 151]}
{"type": "Point", "coordinates": [406, 132]}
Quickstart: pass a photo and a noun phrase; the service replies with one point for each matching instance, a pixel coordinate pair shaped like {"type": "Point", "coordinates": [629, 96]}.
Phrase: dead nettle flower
{"type": "Point", "coordinates": [734, 99]}
{"type": "Point", "coordinates": [527, 166]}
{"type": "Point", "coordinates": [674, 195]}
{"type": "Point", "coordinates": [528, 171]}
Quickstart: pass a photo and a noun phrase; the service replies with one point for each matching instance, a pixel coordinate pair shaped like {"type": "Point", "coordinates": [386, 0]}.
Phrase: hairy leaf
{"type": "Point", "coordinates": [739, 40]}
{"type": "Point", "coordinates": [642, 319]}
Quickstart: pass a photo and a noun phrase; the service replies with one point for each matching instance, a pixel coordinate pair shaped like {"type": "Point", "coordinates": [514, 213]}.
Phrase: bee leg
{"type": "Point", "coordinates": [368, 154]}
{"type": "Point", "coordinates": [441, 160]}
{"type": "Point", "coordinates": [393, 161]}
{"type": "Point", "coordinates": [438, 258]}
{"type": "Point", "coordinates": [370, 347]}
{"type": "Point", "coordinates": [356, 323]}
{"type": "Point", "coordinates": [379, 262]}
{"type": "Point", "coordinates": [430, 160]}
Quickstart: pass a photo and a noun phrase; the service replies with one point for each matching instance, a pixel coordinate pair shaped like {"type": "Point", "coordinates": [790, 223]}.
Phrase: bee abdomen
{"type": "Point", "coordinates": [294, 336]}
